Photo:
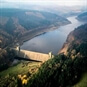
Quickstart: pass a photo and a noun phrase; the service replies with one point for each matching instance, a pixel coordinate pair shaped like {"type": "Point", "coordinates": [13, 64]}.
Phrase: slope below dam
{"type": "Point", "coordinates": [51, 41]}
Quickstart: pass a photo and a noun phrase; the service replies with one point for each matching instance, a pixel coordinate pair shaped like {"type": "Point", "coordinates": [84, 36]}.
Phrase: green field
{"type": "Point", "coordinates": [83, 81]}
{"type": "Point", "coordinates": [21, 68]}
{"type": "Point", "coordinates": [9, 77]}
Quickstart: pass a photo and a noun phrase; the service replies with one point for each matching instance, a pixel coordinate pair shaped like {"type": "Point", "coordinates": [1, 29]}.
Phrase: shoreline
{"type": "Point", "coordinates": [30, 35]}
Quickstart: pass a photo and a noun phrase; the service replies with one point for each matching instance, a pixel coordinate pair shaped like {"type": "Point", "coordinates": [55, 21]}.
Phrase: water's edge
{"type": "Point", "coordinates": [53, 40]}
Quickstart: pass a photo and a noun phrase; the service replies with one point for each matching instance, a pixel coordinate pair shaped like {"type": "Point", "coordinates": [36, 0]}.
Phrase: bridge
{"type": "Point", "coordinates": [36, 56]}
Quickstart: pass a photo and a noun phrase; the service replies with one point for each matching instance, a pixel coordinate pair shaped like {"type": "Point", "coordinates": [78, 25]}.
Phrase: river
{"type": "Point", "coordinates": [51, 41]}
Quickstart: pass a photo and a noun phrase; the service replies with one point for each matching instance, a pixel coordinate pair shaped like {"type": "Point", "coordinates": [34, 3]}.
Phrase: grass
{"type": "Point", "coordinates": [83, 81]}
{"type": "Point", "coordinates": [10, 77]}
{"type": "Point", "coordinates": [21, 68]}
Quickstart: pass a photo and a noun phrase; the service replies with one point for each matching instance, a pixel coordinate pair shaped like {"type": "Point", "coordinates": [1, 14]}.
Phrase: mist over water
{"type": "Point", "coordinates": [53, 40]}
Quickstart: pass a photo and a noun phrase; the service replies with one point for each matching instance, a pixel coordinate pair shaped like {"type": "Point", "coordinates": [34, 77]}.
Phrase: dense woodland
{"type": "Point", "coordinates": [64, 71]}
{"type": "Point", "coordinates": [6, 58]}
{"type": "Point", "coordinates": [59, 72]}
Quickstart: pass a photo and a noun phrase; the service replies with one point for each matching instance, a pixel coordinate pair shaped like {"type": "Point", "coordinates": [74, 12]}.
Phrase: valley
{"type": "Point", "coordinates": [26, 24]}
{"type": "Point", "coordinates": [51, 41]}
{"type": "Point", "coordinates": [39, 34]}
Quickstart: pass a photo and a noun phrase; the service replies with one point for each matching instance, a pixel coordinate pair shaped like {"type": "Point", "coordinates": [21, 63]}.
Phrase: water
{"type": "Point", "coordinates": [53, 40]}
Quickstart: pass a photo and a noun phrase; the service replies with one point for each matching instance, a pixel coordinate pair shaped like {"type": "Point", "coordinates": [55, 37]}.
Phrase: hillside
{"type": "Point", "coordinates": [16, 23]}
{"type": "Point", "coordinates": [60, 71]}
{"type": "Point", "coordinates": [65, 70]}
{"type": "Point", "coordinates": [69, 70]}
{"type": "Point", "coordinates": [76, 43]}
{"type": "Point", "coordinates": [82, 17]}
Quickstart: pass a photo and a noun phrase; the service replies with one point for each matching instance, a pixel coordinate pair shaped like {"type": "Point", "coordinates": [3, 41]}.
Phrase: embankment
{"type": "Point", "coordinates": [31, 34]}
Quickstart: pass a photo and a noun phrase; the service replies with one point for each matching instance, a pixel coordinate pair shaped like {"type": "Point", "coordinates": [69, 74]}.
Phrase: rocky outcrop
{"type": "Point", "coordinates": [76, 42]}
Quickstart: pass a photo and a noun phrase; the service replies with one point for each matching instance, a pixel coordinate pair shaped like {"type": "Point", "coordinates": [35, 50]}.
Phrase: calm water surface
{"type": "Point", "coordinates": [53, 40]}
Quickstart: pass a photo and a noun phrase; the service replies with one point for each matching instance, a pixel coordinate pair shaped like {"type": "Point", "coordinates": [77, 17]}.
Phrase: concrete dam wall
{"type": "Point", "coordinates": [33, 55]}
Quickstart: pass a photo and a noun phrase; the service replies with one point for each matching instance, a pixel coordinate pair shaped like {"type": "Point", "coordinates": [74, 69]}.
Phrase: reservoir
{"type": "Point", "coordinates": [52, 41]}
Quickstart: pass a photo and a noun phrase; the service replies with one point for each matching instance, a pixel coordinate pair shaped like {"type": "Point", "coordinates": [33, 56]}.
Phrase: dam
{"type": "Point", "coordinates": [35, 56]}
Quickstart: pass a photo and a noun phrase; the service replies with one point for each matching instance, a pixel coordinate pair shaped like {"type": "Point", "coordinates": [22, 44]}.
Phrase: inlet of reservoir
{"type": "Point", "coordinates": [53, 40]}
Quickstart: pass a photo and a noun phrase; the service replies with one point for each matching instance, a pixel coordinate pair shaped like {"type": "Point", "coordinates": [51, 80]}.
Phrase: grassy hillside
{"type": "Point", "coordinates": [59, 72]}
{"type": "Point", "coordinates": [83, 81]}
{"type": "Point", "coordinates": [23, 69]}
{"type": "Point", "coordinates": [65, 71]}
